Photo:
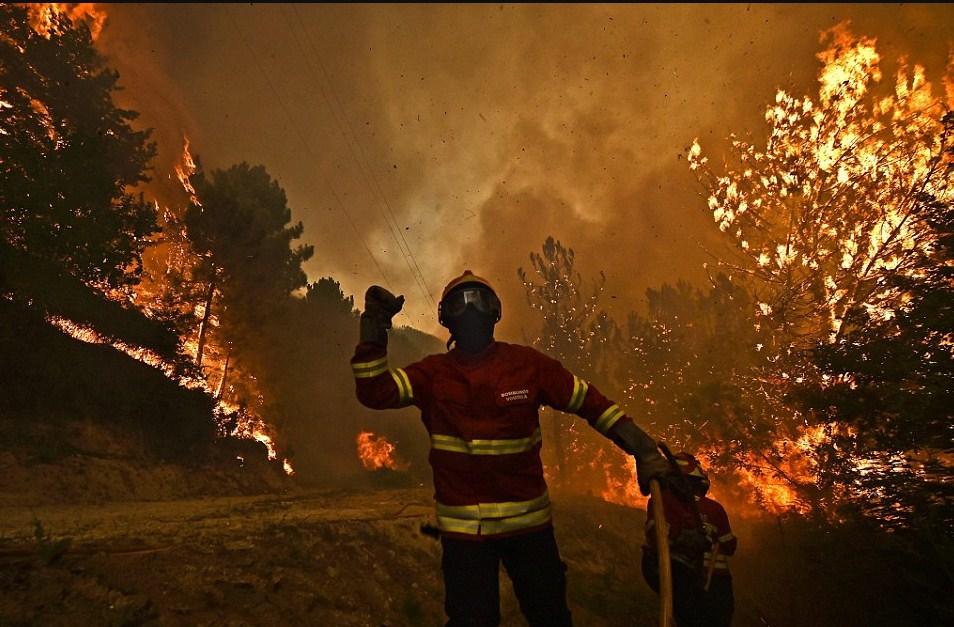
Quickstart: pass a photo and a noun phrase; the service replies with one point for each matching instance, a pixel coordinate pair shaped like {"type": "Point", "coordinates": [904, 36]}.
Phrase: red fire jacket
{"type": "Point", "coordinates": [482, 416]}
{"type": "Point", "coordinates": [680, 516]}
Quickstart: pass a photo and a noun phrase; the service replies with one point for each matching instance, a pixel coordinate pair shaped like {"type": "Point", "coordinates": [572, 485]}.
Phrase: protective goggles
{"type": "Point", "coordinates": [481, 298]}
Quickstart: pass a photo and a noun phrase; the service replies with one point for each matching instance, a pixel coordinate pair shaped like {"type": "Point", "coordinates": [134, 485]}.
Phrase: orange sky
{"type": "Point", "coordinates": [475, 131]}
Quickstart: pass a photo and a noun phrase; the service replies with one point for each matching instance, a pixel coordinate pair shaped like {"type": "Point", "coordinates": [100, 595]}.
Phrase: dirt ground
{"type": "Point", "coordinates": [304, 558]}
{"type": "Point", "coordinates": [350, 558]}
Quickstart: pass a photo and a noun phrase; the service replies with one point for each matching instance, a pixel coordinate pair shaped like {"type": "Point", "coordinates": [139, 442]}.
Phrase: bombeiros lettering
{"type": "Point", "coordinates": [515, 395]}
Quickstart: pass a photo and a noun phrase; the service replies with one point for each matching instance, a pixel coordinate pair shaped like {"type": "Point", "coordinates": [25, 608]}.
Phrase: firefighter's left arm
{"type": "Point", "coordinates": [563, 390]}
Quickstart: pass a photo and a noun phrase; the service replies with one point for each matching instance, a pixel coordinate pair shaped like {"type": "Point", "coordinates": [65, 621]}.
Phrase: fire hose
{"type": "Point", "coordinates": [662, 546]}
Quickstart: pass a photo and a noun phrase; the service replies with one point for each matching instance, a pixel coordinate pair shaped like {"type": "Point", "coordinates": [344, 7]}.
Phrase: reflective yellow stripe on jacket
{"type": "Point", "coordinates": [721, 561]}
{"type": "Point", "coordinates": [494, 518]}
{"type": "Point", "coordinates": [485, 447]}
{"type": "Point", "coordinates": [608, 418]}
{"type": "Point", "coordinates": [579, 394]}
{"type": "Point", "coordinates": [368, 369]}
{"type": "Point", "coordinates": [405, 392]}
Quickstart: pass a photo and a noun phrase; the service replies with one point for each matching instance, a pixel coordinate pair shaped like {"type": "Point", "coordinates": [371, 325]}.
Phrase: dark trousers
{"type": "Point", "coordinates": [472, 587]}
{"type": "Point", "coordinates": [692, 605]}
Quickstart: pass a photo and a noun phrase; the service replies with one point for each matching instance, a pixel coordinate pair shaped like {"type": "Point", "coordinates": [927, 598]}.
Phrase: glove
{"type": "Point", "coordinates": [651, 466]}
{"type": "Point", "coordinates": [380, 306]}
{"type": "Point", "coordinates": [649, 463]}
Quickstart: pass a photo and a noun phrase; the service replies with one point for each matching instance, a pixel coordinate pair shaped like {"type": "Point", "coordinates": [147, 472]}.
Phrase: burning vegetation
{"type": "Point", "coordinates": [812, 375]}
{"type": "Point", "coordinates": [376, 452]}
{"type": "Point", "coordinates": [48, 18]}
{"type": "Point", "coordinates": [837, 224]}
{"type": "Point", "coordinates": [840, 223]}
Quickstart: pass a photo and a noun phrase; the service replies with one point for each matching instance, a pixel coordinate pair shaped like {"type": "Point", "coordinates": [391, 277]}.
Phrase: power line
{"type": "Point", "coordinates": [361, 160]}
{"type": "Point", "coordinates": [364, 167]}
{"type": "Point", "coordinates": [308, 149]}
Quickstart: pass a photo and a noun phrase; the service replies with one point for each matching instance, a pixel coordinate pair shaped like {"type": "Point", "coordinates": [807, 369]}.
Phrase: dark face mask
{"type": "Point", "coordinates": [472, 331]}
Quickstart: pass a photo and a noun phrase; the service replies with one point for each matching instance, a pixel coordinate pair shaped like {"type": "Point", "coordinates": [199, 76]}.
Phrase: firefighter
{"type": "Point", "coordinates": [700, 542]}
{"type": "Point", "coordinates": [479, 403]}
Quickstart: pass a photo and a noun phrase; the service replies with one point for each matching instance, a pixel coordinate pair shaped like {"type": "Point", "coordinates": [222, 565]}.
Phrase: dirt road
{"type": "Point", "coordinates": [307, 558]}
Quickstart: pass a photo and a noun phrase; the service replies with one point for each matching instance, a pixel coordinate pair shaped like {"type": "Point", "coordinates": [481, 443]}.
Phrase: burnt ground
{"type": "Point", "coordinates": [359, 558]}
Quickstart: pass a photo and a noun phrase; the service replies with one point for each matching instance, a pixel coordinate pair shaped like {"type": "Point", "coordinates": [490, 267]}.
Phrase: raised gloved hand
{"type": "Point", "coordinates": [380, 306]}
{"type": "Point", "coordinates": [649, 463]}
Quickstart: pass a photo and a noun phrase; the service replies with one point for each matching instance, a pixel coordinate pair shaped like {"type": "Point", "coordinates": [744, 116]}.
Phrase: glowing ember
{"type": "Point", "coordinates": [375, 452]}
{"type": "Point", "coordinates": [42, 16]}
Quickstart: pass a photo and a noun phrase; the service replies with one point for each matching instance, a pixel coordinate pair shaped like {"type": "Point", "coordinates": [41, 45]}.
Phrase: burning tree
{"type": "Point", "coordinates": [834, 222]}
{"type": "Point", "coordinates": [687, 359]}
{"type": "Point", "coordinates": [72, 236]}
{"type": "Point", "coordinates": [68, 154]}
{"type": "Point", "coordinates": [72, 233]}
{"type": "Point", "coordinates": [890, 382]}
{"type": "Point", "coordinates": [239, 234]}
{"type": "Point", "coordinates": [831, 206]}
{"type": "Point", "coordinates": [684, 354]}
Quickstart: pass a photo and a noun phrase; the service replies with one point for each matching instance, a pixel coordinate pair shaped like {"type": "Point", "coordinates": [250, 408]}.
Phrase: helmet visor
{"type": "Point", "coordinates": [482, 299]}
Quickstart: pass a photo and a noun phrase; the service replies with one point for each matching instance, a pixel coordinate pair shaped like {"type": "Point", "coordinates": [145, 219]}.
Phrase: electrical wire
{"type": "Point", "coordinates": [339, 113]}
{"type": "Point", "coordinates": [307, 146]}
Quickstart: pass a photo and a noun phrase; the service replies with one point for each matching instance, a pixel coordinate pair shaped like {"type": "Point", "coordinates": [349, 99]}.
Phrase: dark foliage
{"type": "Point", "coordinates": [48, 376]}
{"type": "Point", "coordinates": [68, 155]}
{"type": "Point", "coordinates": [242, 236]}
{"type": "Point", "coordinates": [52, 291]}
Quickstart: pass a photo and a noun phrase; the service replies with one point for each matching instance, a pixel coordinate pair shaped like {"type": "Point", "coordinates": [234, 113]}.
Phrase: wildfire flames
{"type": "Point", "coordinates": [840, 147]}
{"type": "Point", "coordinates": [185, 169]}
{"type": "Point", "coordinates": [623, 491]}
{"type": "Point", "coordinates": [245, 425]}
{"type": "Point", "coordinates": [376, 452]}
{"type": "Point", "coordinates": [44, 14]}
{"type": "Point", "coordinates": [772, 486]}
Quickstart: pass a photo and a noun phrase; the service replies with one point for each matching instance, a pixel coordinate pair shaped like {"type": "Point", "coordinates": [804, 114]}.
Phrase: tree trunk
{"type": "Point", "coordinates": [225, 374]}
{"type": "Point", "coordinates": [203, 326]}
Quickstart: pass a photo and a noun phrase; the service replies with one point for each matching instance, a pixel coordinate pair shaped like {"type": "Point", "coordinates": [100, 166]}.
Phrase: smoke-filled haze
{"type": "Point", "coordinates": [482, 129]}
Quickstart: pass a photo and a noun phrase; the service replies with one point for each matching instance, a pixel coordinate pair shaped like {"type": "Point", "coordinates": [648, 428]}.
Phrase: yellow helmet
{"type": "Point", "coordinates": [485, 302]}
{"type": "Point", "coordinates": [467, 277]}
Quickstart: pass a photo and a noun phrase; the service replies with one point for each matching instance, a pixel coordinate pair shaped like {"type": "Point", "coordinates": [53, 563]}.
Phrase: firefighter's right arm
{"type": "Point", "coordinates": [381, 387]}
{"type": "Point", "coordinates": [378, 386]}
